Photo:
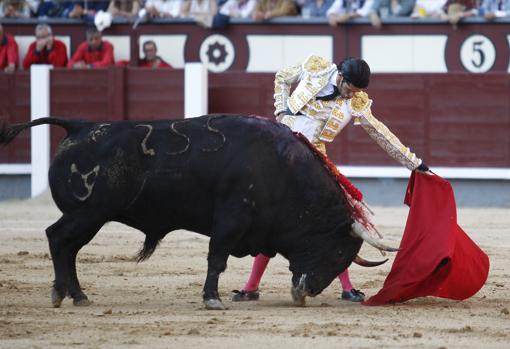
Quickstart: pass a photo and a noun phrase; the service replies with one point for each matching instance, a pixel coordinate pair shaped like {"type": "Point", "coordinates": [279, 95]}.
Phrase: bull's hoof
{"type": "Point", "coordinates": [298, 299]}
{"type": "Point", "coordinates": [84, 302]}
{"type": "Point", "coordinates": [56, 298]}
{"type": "Point", "coordinates": [213, 304]}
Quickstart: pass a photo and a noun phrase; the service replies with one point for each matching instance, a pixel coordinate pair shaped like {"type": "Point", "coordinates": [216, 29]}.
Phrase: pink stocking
{"type": "Point", "coordinates": [345, 281]}
{"type": "Point", "coordinates": [259, 266]}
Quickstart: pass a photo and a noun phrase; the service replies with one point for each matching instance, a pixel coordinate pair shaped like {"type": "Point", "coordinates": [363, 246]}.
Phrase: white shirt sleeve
{"type": "Point", "coordinates": [366, 9]}
{"type": "Point", "coordinates": [336, 8]}
{"type": "Point", "coordinates": [227, 8]}
{"type": "Point", "coordinates": [247, 10]}
{"type": "Point", "coordinates": [172, 8]}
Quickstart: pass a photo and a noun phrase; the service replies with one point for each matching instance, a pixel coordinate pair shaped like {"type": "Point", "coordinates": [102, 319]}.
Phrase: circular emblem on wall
{"type": "Point", "coordinates": [477, 54]}
{"type": "Point", "coordinates": [217, 52]}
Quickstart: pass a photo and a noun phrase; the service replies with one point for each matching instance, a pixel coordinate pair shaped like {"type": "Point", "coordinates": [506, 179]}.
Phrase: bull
{"type": "Point", "coordinates": [248, 183]}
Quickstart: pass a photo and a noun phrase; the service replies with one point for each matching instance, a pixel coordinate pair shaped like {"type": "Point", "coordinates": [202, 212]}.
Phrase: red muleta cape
{"type": "Point", "coordinates": [436, 257]}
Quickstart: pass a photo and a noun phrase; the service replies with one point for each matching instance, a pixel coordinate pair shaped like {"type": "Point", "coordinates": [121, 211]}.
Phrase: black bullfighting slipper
{"type": "Point", "coordinates": [241, 296]}
{"type": "Point", "coordinates": [353, 295]}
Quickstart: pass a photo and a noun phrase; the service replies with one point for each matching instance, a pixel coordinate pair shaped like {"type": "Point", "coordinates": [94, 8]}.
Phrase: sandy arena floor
{"type": "Point", "coordinates": [157, 304]}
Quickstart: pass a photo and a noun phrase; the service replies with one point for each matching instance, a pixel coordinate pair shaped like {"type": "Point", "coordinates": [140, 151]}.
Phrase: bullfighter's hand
{"type": "Point", "coordinates": [423, 168]}
{"type": "Point", "coordinates": [430, 173]}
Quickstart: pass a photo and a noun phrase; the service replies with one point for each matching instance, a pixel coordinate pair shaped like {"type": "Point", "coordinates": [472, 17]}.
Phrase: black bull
{"type": "Point", "coordinates": [248, 183]}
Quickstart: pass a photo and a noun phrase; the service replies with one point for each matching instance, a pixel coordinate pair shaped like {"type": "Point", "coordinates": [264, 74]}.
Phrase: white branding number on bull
{"type": "Point", "coordinates": [146, 151]}
{"type": "Point", "coordinates": [84, 177]}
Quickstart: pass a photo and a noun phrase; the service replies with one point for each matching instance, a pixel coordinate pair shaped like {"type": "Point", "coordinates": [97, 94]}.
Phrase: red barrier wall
{"type": "Point", "coordinates": [14, 108]}
{"type": "Point", "coordinates": [447, 119]}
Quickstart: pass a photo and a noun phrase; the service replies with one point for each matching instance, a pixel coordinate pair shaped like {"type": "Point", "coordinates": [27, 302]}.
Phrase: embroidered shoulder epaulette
{"type": "Point", "coordinates": [316, 65]}
{"type": "Point", "coordinates": [360, 103]}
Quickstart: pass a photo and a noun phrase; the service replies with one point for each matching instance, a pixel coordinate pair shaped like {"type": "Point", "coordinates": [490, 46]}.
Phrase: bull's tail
{"type": "Point", "coordinates": [149, 246]}
{"type": "Point", "coordinates": [9, 132]}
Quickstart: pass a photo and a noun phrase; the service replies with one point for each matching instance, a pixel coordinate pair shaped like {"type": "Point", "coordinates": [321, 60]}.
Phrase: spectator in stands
{"type": "Point", "coordinates": [315, 8]}
{"type": "Point", "coordinates": [152, 60]}
{"type": "Point", "coordinates": [344, 10]}
{"type": "Point", "coordinates": [54, 8]}
{"type": "Point", "coordinates": [14, 9]}
{"type": "Point", "coordinates": [238, 8]}
{"type": "Point", "coordinates": [299, 4]}
{"type": "Point", "coordinates": [33, 7]}
{"type": "Point", "coordinates": [86, 10]}
{"type": "Point", "coordinates": [124, 8]}
{"type": "Point", "coordinates": [267, 9]}
{"type": "Point", "coordinates": [202, 11]}
{"type": "Point", "coordinates": [492, 9]}
{"type": "Point", "coordinates": [94, 52]}
{"type": "Point", "coordinates": [45, 49]}
{"type": "Point", "coordinates": [390, 8]}
{"type": "Point", "coordinates": [454, 10]}
{"type": "Point", "coordinates": [8, 52]}
{"type": "Point", "coordinates": [428, 8]}
{"type": "Point", "coordinates": [164, 8]}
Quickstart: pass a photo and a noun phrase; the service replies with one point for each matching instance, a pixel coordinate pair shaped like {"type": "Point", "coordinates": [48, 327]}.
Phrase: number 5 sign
{"type": "Point", "coordinates": [477, 54]}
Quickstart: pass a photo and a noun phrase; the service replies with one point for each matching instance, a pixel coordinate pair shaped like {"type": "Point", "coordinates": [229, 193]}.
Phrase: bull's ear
{"type": "Point", "coordinates": [366, 263]}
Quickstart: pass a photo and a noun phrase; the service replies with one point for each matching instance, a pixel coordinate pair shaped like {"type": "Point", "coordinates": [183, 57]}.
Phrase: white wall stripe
{"type": "Point", "coordinates": [270, 53]}
{"type": "Point", "coordinates": [405, 53]}
{"type": "Point", "coordinates": [15, 169]}
{"type": "Point", "coordinates": [121, 46]}
{"type": "Point", "coordinates": [445, 172]}
{"type": "Point", "coordinates": [484, 173]}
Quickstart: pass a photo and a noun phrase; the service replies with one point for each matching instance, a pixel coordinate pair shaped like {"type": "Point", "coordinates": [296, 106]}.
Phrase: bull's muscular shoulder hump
{"type": "Point", "coordinates": [259, 132]}
{"type": "Point", "coordinates": [291, 148]}
{"type": "Point", "coordinates": [249, 123]}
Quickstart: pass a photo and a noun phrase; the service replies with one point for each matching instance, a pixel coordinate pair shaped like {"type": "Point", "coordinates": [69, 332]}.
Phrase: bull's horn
{"type": "Point", "coordinates": [361, 232]}
{"type": "Point", "coordinates": [364, 263]}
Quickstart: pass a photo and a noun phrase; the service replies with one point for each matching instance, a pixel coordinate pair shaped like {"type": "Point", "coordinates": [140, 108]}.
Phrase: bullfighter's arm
{"type": "Point", "coordinates": [282, 82]}
{"type": "Point", "coordinates": [381, 134]}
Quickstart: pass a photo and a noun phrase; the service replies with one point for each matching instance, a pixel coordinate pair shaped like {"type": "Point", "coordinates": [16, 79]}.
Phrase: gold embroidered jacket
{"type": "Point", "coordinates": [316, 72]}
{"type": "Point", "coordinates": [334, 115]}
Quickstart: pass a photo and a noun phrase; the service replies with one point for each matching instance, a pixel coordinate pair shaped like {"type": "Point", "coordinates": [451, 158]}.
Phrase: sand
{"type": "Point", "coordinates": [157, 304]}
